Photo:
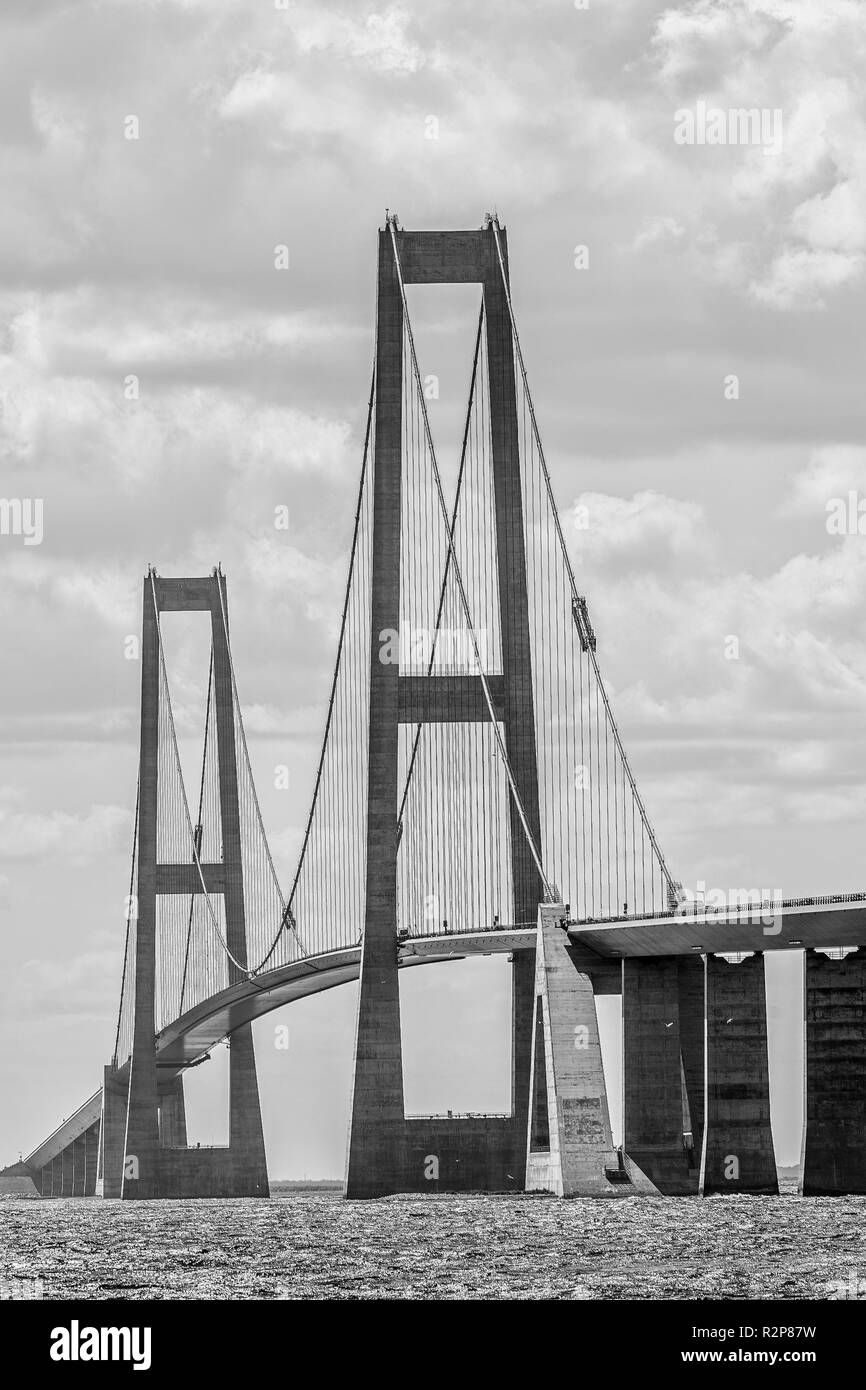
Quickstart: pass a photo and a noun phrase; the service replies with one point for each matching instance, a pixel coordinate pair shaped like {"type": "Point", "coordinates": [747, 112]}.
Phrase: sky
{"type": "Point", "coordinates": [697, 375]}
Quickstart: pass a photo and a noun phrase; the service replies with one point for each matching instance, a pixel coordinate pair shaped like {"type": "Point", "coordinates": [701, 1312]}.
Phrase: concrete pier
{"type": "Point", "coordinates": [84, 1150]}
{"type": "Point", "coordinates": [112, 1134]}
{"type": "Point", "coordinates": [834, 1122]}
{"type": "Point", "coordinates": [660, 1033]}
{"type": "Point", "coordinates": [79, 1160]}
{"type": "Point", "coordinates": [570, 1149]}
{"type": "Point", "coordinates": [91, 1159]}
{"type": "Point", "coordinates": [66, 1184]}
{"type": "Point", "coordinates": [692, 989]}
{"type": "Point", "coordinates": [738, 1153]}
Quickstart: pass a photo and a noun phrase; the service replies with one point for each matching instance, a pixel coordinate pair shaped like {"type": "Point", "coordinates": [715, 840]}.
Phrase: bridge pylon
{"type": "Point", "coordinates": [144, 1148]}
{"type": "Point", "coordinates": [388, 1152]}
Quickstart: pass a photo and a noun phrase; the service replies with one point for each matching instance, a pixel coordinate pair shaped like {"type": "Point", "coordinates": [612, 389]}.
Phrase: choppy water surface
{"type": "Point", "coordinates": [315, 1245]}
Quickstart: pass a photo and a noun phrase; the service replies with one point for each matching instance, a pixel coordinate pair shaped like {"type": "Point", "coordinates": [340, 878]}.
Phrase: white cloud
{"type": "Point", "coordinates": [644, 532]}
{"type": "Point", "coordinates": [60, 835]}
{"type": "Point", "coordinates": [801, 207]}
{"type": "Point", "coordinates": [380, 41]}
{"type": "Point", "coordinates": [706, 38]}
{"type": "Point", "coordinates": [831, 472]}
{"type": "Point", "coordinates": [801, 278]}
{"type": "Point", "coordinates": [658, 229]}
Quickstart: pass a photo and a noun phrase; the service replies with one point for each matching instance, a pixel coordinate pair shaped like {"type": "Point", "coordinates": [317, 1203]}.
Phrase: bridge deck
{"type": "Point", "coordinates": [790, 925]}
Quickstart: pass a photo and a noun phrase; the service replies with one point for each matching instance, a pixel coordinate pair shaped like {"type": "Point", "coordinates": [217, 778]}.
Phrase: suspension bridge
{"type": "Point", "coordinates": [472, 795]}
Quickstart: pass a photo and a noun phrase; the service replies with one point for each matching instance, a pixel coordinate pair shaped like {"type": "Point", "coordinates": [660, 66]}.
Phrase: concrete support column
{"type": "Point", "coordinates": [91, 1158]}
{"type": "Point", "coordinates": [738, 1153]}
{"type": "Point", "coordinates": [66, 1183]}
{"type": "Point", "coordinates": [112, 1134]}
{"type": "Point", "coordinates": [655, 1102]}
{"type": "Point", "coordinates": [79, 1160]}
{"type": "Point", "coordinates": [834, 1122]}
{"type": "Point", "coordinates": [690, 973]}
{"type": "Point", "coordinates": [570, 1149]}
{"type": "Point", "coordinates": [522, 1024]}
{"type": "Point", "coordinates": [56, 1177]}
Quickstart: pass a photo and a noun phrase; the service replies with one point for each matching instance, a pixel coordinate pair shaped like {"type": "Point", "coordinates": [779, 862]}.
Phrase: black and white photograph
{"type": "Point", "coordinates": [433, 699]}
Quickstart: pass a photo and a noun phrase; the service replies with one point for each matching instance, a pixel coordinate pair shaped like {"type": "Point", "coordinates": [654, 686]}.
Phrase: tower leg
{"type": "Point", "coordinates": [249, 1169]}
{"type": "Point", "coordinates": [834, 1123]}
{"type": "Point", "coordinates": [140, 1175]}
{"type": "Point", "coordinates": [519, 717]}
{"type": "Point", "coordinates": [375, 1160]}
{"type": "Point", "coordinates": [738, 1153]}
